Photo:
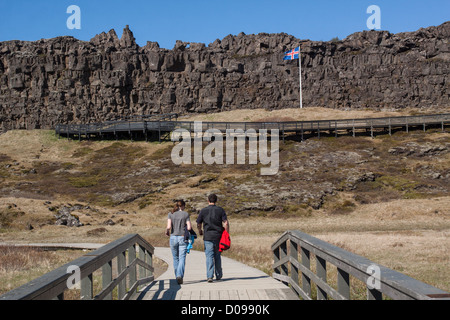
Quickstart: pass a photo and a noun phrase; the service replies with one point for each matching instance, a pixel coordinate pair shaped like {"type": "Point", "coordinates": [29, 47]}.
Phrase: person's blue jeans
{"type": "Point", "coordinates": [213, 260]}
{"type": "Point", "coordinates": [178, 247]}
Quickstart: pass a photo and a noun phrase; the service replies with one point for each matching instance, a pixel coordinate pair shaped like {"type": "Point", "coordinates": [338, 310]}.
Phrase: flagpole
{"type": "Point", "coordinates": [300, 75]}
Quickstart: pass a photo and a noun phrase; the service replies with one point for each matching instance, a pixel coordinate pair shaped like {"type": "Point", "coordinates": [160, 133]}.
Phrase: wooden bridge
{"type": "Point", "coordinates": [240, 282]}
{"type": "Point", "coordinates": [126, 272]}
{"type": "Point", "coordinates": [160, 126]}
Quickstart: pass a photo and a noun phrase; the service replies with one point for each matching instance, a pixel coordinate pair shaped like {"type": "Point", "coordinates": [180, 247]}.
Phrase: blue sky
{"type": "Point", "coordinates": [205, 21]}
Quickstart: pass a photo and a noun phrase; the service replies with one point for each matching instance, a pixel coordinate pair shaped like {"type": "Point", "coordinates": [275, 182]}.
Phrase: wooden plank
{"type": "Point", "coordinates": [184, 295]}
{"type": "Point", "coordinates": [273, 294]}
{"type": "Point", "coordinates": [243, 295]}
{"type": "Point", "coordinates": [224, 295]}
{"type": "Point", "coordinates": [205, 295]}
{"type": "Point", "coordinates": [287, 294]}
{"type": "Point", "coordinates": [234, 295]}
{"type": "Point", "coordinates": [262, 294]}
{"type": "Point", "coordinates": [252, 294]}
{"type": "Point", "coordinates": [238, 278]}
{"type": "Point", "coordinates": [195, 295]}
{"type": "Point", "coordinates": [214, 295]}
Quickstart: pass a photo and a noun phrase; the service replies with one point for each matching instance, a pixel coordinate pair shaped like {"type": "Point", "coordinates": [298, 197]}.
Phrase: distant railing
{"type": "Point", "coordinates": [53, 284]}
{"type": "Point", "coordinates": [165, 124]}
{"type": "Point", "coordinates": [378, 280]}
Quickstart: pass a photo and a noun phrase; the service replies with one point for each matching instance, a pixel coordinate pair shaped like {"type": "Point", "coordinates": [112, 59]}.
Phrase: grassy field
{"type": "Point", "coordinates": [397, 216]}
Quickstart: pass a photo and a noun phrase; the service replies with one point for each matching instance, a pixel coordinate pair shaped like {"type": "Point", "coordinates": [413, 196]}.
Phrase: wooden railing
{"type": "Point", "coordinates": [378, 280]}
{"type": "Point", "coordinates": [164, 125]}
{"type": "Point", "coordinates": [53, 284]}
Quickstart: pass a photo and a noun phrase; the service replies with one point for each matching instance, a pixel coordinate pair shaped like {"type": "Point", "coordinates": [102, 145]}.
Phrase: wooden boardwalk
{"type": "Point", "coordinates": [161, 125]}
{"type": "Point", "coordinates": [239, 282]}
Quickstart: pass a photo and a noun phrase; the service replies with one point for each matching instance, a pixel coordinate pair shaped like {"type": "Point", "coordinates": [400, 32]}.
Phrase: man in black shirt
{"type": "Point", "coordinates": [214, 220]}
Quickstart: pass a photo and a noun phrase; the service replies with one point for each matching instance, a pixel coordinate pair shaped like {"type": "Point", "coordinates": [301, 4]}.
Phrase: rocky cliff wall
{"type": "Point", "coordinates": [64, 80]}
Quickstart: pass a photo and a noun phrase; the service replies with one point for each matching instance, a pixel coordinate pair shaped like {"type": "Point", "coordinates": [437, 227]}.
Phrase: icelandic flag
{"type": "Point", "coordinates": [293, 54]}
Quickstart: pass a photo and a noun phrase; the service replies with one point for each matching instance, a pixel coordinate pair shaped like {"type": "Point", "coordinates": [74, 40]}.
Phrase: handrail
{"type": "Point", "coordinates": [379, 280]}
{"type": "Point", "coordinates": [53, 284]}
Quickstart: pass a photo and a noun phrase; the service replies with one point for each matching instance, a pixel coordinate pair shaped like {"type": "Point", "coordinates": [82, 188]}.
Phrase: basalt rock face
{"type": "Point", "coordinates": [65, 80]}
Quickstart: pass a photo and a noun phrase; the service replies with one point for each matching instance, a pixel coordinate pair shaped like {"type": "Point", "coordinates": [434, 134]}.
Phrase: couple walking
{"type": "Point", "coordinates": [211, 222]}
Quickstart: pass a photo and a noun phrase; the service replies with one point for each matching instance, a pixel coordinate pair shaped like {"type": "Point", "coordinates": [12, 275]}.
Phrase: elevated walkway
{"type": "Point", "coordinates": [161, 126]}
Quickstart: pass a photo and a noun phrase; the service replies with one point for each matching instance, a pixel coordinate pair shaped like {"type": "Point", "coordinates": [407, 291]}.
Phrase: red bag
{"type": "Point", "coordinates": [225, 241]}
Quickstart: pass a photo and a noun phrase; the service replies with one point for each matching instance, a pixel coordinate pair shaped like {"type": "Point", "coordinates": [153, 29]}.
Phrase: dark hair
{"type": "Point", "coordinates": [178, 205]}
{"type": "Point", "coordinates": [212, 198]}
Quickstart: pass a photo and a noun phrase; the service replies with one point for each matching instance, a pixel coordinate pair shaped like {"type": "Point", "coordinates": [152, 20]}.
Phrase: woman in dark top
{"type": "Point", "coordinates": [177, 220]}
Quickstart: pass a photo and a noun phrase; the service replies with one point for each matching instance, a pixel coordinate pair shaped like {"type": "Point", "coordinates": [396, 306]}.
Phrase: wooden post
{"type": "Point", "coordinates": [121, 266]}
{"type": "Point", "coordinates": [294, 255]}
{"type": "Point", "coordinates": [318, 129]}
{"type": "Point", "coordinates": [142, 270]}
{"type": "Point", "coordinates": [374, 294]}
{"type": "Point", "coordinates": [149, 260]}
{"type": "Point", "coordinates": [159, 131]}
{"type": "Point", "coordinates": [283, 253]}
{"type": "Point", "coordinates": [87, 288]}
{"type": "Point", "coordinates": [343, 283]}
{"type": "Point", "coordinates": [107, 278]}
{"type": "Point", "coordinates": [131, 258]}
{"type": "Point", "coordinates": [371, 129]}
{"type": "Point", "coordinates": [321, 267]}
{"type": "Point", "coordinates": [306, 281]}
{"type": "Point", "coordinates": [302, 131]}
{"type": "Point", "coordinates": [59, 296]}
{"type": "Point", "coordinates": [276, 258]}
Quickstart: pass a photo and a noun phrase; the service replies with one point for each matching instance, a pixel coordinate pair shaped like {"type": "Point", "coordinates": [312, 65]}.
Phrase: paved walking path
{"type": "Point", "coordinates": [239, 282]}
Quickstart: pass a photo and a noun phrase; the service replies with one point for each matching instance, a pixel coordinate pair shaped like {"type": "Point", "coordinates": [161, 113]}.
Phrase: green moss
{"type": "Point", "coordinates": [163, 153]}
{"type": "Point", "coordinates": [84, 181]}
{"type": "Point", "coordinates": [344, 208]}
{"type": "Point", "coordinates": [68, 165]}
{"type": "Point", "coordinates": [82, 152]}
{"type": "Point", "coordinates": [397, 183]}
{"type": "Point", "coordinates": [302, 210]}
{"type": "Point", "coordinates": [146, 201]}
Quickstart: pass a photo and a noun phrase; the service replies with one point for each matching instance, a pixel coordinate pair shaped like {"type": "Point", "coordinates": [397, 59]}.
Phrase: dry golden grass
{"type": "Point", "coordinates": [409, 236]}
{"type": "Point", "coordinates": [305, 114]}
{"type": "Point", "coordinates": [19, 265]}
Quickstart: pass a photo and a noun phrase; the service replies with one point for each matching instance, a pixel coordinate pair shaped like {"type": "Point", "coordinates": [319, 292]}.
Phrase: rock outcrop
{"type": "Point", "coordinates": [65, 80]}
